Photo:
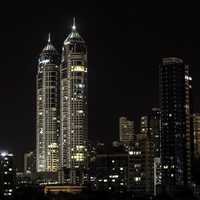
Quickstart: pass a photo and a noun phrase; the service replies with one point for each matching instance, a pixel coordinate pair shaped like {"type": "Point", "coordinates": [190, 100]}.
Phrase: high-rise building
{"type": "Point", "coordinates": [74, 111]}
{"type": "Point", "coordinates": [126, 131]}
{"type": "Point", "coordinates": [176, 126]}
{"type": "Point", "coordinates": [196, 134]}
{"type": "Point", "coordinates": [47, 146]}
{"type": "Point", "coordinates": [150, 125]}
{"type": "Point", "coordinates": [7, 176]}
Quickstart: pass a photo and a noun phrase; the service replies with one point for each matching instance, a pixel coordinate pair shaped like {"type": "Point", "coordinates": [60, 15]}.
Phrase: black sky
{"type": "Point", "coordinates": [125, 43]}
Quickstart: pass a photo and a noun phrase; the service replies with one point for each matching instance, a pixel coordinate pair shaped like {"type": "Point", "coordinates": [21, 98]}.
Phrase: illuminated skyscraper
{"type": "Point", "coordinates": [126, 131]}
{"type": "Point", "coordinates": [74, 112]}
{"type": "Point", "coordinates": [48, 78]}
{"type": "Point", "coordinates": [176, 126]}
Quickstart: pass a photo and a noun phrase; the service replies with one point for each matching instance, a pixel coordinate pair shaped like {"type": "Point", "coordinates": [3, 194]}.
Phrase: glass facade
{"type": "Point", "coordinates": [74, 128]}
{"type": "Point", "coordinates": [175, 105]}
{"type": "Point", "coordinates": [48, 112]}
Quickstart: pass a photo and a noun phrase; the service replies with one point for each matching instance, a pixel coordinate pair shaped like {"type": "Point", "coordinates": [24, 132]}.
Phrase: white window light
{"type": "Point", "coordinates": [3, 154]}
{"type": "Point", "coordinates": [137, 179]}
{"type": "Point", "coordinates": [80, 111]}
{"type": "Point", "coordinates": [130, 153]}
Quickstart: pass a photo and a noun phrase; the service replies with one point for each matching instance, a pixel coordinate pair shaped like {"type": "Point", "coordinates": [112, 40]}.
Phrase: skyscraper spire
{"type": "Point", "coordinates": [74, 24]}
{"type": "Point", "coordinates": [49, 37]}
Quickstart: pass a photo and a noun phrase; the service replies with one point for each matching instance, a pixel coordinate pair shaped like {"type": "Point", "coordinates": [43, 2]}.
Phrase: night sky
{"type": "Point", "coordinates": [125, 45]}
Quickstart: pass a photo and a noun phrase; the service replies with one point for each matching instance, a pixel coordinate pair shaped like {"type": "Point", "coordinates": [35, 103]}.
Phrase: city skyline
{"type": "Point", "coordinates": [105, 58]}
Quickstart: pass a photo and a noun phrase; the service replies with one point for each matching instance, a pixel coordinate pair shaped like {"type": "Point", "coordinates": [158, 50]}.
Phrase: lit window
{"type": "Point", "coordinates": [130, 152]}
{"type": "Point", "coordinates": [80, 111]}
{"type": "Point", "coordinates": [137, 179]}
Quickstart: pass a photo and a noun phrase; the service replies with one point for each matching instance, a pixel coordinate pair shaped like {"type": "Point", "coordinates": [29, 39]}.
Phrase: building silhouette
{"type": "Point", "coordinates": [30, 164]}
{"type": "Point", "coordinates": [176, 126]}
{"type": "Point", "coordinates": [150, 126]}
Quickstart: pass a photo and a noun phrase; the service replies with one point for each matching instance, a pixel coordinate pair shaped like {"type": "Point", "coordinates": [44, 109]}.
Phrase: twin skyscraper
{"type": "Point", "coordinates": [62, 111]}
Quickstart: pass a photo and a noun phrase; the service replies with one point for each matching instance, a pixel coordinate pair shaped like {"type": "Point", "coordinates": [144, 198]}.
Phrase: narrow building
{"type": "Point", "coordinates": [126, 131]}
{"type": "Point", "coordinates": [176, 126]}
{"type": "Point", "coordinates": [74, 110]}
{"type": "Point", "coordinates": [48, 120]}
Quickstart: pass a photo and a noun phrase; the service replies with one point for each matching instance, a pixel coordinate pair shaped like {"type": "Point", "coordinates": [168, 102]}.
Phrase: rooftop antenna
{"type": "Point", "coordinates": [74, 24]}
{"type": "Point", "coordinates": [49, 37]}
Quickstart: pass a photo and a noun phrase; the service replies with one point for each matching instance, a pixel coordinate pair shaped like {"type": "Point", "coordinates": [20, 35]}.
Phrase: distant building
{"type": "Point", "coordinates": [7, 176]}
{"type": "Point", "coordinates": [140, 169]}
{"type": "Point", "coordinates": [48, 113]}
{"type": "Point", "coordinates": [111, 170]}
{"type": "Point", "coordinates": [150, 125]}
{"type": "Point", "coordinates": [30, 163]}
{"type": "Point", "coordinates": [74, 110]}
{"type": "Point", "coordinates": [176, 127]}
{"type": "Point", "coordinates": [196, 134]}
{"type": "Point", "coordinates": [126, 131]}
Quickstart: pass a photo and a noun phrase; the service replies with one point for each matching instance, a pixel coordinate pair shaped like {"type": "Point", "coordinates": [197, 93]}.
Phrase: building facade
{"type": "Point", "coordinates": [111, 171]}
{"type": "Point", "coordinates": [150, 126]}
{"type": "Point", "coordinates": [74, 111]}
{"type": "Point", "coordinates": [126, 131]}
{"type": "Point", "coordinates": [176, 126]}
{"type": "Point", "coordinates": [30, 163]}
{"type": "Point", "coordinates": [48, 120]}
{"type": "Point", "coordinates": [196, 134]}
{"type": "Point", "coordinates": [7, 176]}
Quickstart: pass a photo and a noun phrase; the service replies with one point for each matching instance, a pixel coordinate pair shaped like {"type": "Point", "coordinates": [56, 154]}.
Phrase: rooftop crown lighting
{"type": "Point", "coordinates": [3, 154]}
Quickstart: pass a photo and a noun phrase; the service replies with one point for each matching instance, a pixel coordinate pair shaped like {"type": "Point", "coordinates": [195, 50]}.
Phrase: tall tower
{"type": "Point", "coordinates": [48, 90]}
{"type": "Point", "coordinates": [150, 125]}
{"type": "Point", "coordinates": [176, 126]}
{"type": "Point", "coordinates": [74, 111]}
